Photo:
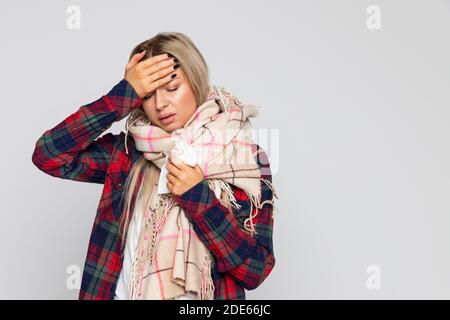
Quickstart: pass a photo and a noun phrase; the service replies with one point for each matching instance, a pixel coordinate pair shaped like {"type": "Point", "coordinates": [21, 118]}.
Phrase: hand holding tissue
{"type": "Point", "coordinates": [182, 151]}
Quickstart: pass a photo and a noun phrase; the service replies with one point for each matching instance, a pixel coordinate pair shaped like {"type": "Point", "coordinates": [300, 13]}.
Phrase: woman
{"type": "Point", "coordinates": [166, 229]}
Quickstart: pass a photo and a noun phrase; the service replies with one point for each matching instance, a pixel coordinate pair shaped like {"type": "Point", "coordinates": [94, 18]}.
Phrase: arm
{"type": "Point", "coordinates": [72, 149]}
{"type": "Point", "coordinates": [249, 260]}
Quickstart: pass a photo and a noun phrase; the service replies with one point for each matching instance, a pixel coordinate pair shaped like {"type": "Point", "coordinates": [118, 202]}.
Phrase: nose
{"type": "Point", "coordinates": [160, 99]}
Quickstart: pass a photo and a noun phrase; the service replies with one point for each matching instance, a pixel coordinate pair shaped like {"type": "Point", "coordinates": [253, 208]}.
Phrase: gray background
{"type": "Point", "coordinates": [363, 174]}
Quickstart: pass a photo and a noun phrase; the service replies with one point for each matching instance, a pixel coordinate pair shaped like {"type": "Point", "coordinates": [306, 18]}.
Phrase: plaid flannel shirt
{"type": "Point", "coordinates": [75, 149]}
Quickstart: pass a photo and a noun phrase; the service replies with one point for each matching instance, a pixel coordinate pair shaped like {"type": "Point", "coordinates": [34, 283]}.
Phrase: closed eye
{"type": "Point", "coordinates": [150, 95]}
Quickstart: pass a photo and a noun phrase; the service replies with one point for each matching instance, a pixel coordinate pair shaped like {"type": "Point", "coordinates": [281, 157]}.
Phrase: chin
{"type": "Point", "coordinates": [170, 127]}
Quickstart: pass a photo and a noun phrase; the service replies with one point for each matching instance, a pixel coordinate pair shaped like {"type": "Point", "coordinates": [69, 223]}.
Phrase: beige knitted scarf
{"type": "Point", "coordinates": [171, 259]}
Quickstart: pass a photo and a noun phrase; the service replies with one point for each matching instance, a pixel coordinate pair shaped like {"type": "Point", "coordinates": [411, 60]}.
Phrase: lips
{"type": "Point", "coordinates": [165, 116]}
{"type": "Point", "coordinates": [167, 119]}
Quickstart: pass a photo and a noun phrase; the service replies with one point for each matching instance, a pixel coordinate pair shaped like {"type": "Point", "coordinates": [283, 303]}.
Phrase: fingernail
{"type": "Point", "coordinates": [173, 76]}
{"type": "Point", "coordinates": [176, 66]}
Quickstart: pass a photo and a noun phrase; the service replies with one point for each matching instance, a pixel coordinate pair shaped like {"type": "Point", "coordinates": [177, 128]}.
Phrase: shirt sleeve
{"type": "Point", "coordinates": [73, 149]}
{"type": "Point", "coordinates": [248, 259]}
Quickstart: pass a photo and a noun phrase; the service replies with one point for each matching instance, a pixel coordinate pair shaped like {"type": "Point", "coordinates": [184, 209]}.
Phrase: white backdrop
{"type": "Point", "coordinates": [358, 92]}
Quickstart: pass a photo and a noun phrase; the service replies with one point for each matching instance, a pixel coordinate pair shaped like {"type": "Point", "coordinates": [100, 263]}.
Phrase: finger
{"type": "Point", "coordinates": [165, 65]}
{"type": "Point", "coordinates": [170, 177]}
{"type": "Point", "coordinates": [135, 59]}
{"type": "Point", "coordinates": [155, 59]}
{"type": "Point", "coordinates": [171, 186]}
{"type": "Point", "coordinates": [161, 77]}
{"type": "Point", "coordinates": [174, 170]}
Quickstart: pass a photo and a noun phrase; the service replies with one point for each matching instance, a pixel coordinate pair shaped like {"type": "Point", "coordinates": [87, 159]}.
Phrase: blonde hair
{"type": "Point", "coordinates": [195, 70]}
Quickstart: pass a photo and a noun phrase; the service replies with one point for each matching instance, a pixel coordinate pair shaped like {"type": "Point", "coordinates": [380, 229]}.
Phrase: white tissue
{"type": "Point", "coordinates": [182, 151]}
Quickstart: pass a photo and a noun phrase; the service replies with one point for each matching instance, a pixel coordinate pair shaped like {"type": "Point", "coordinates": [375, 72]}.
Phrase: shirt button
{"type": "Point", "coordinates": [119, 184]}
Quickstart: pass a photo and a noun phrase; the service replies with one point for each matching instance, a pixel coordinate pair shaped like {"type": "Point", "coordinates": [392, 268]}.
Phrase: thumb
{"type": "Point", "coordinates": [135, 59]}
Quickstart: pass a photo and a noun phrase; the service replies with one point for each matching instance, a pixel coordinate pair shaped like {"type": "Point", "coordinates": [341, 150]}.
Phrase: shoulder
{"type": "Point", "coordinates": [119, 152]}
{"type": "Point", "coordinates": [120, 162]}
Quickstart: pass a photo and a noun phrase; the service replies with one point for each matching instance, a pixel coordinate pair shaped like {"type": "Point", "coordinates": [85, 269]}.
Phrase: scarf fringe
{"type": "Point", "coordinates": [225, 187]}
{"type": "Point", "coordinates": [255, 200]}
{"type": "Point", "coordinates": [207, 287]}
{"type": "Point", "coordinates": [274, 194]}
